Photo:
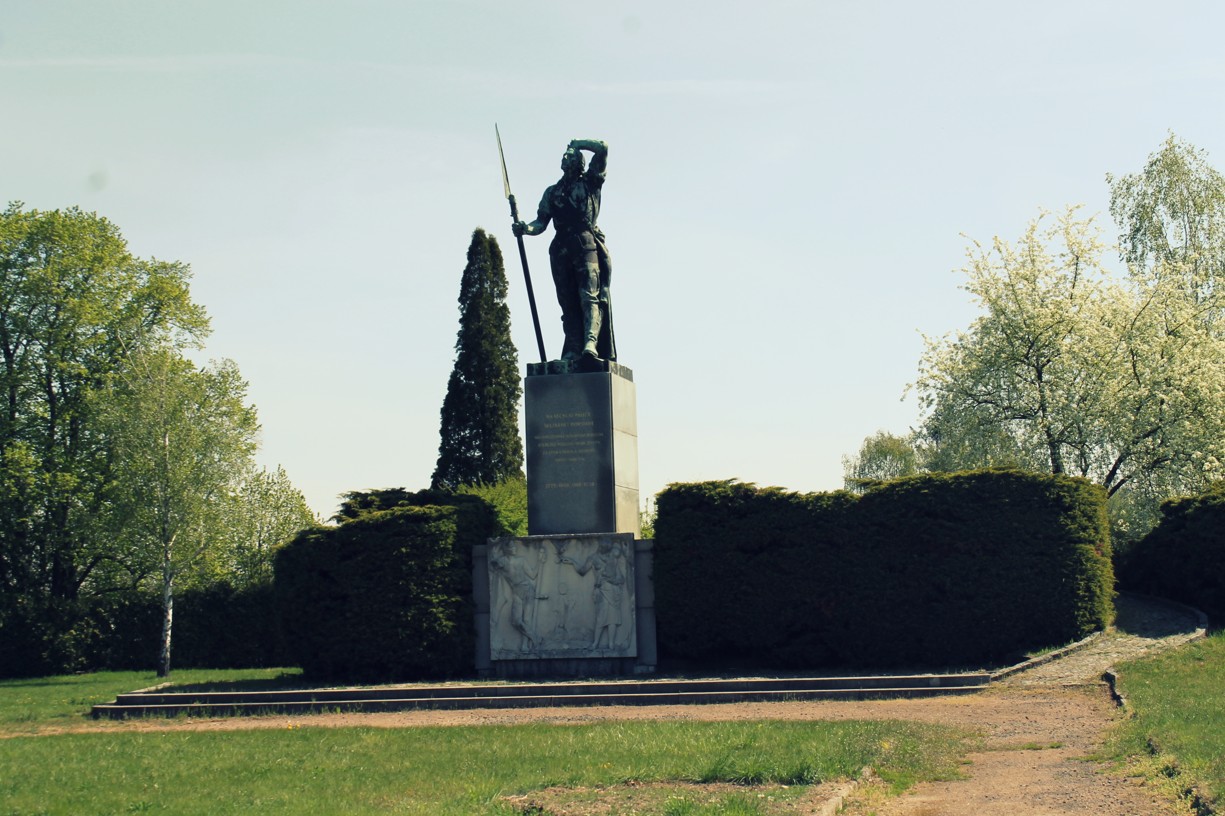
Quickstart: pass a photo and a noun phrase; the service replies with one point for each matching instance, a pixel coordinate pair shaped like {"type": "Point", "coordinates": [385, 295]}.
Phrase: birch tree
{"type": "Point", "coordinates": [1171, 218]}
{"type": "Point", "coordinates": [183, 439]}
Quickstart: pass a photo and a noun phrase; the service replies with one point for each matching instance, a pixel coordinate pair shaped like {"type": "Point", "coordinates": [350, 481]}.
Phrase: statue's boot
{"type": "Point", "coordinates": [591, 330]}
{"type": "Point", "coordinates": [572, 330]}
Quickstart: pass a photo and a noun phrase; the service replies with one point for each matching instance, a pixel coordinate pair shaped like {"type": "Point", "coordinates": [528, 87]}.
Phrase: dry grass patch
{"type": "Point", "coordinates": [673, 798]}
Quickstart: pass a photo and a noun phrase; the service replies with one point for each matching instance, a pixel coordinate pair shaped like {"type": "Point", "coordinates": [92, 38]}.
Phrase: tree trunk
{"type": "Point", "coordinates": [163, 661]}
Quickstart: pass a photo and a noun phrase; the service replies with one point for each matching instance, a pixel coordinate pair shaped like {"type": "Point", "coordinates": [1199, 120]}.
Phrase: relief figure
{"type": "Point", "coordinates": [519, 575]}
{"type": "Point", "coordinates": [608, 594]}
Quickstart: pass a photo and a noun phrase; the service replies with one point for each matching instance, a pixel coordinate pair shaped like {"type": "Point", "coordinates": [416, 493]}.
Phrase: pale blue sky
{"type": "Point", "coordinates": [788, 187]}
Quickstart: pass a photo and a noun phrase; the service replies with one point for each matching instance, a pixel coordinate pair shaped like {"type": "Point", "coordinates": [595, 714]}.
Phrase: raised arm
{"type": "Point", "coordinates": [597, 149]}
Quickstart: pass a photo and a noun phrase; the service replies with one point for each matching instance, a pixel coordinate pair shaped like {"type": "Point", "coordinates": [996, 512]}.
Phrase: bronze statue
{"type": "Point", "coordinates": [582, 269]}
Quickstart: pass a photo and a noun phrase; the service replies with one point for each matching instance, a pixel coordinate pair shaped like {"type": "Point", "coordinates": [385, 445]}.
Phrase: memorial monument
{"type": "Point", "coordinates": [574, 596]}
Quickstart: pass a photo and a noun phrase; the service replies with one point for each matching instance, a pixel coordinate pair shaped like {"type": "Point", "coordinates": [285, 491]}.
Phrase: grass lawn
{"type": "Point", "coordinates": [417, 770]}
{"type": "Point", "coordinates": [1179, 703]}
{"type": "Point", "coordinates": [29, 703]}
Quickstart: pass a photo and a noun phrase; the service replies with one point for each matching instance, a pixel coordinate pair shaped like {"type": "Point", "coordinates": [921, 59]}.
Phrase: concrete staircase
{"type": "Point", "coordinates": [163, 703]}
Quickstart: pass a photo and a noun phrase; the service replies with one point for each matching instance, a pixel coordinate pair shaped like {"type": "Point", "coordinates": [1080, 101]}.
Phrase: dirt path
{"type": "Point", "coordinates": [1036, 726]}
{"type": "Point", "coordinates": [1032, 760]}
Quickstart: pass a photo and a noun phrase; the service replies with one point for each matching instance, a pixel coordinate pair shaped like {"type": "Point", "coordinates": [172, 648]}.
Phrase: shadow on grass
{"type": "Point", "coordinates": [282, 682]}
{"type": "Point", "coordinates": [42, 682]}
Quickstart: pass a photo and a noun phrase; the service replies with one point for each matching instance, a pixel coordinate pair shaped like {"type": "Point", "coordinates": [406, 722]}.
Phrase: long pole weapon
{"type": "Point", "coordinates": [514, 215]}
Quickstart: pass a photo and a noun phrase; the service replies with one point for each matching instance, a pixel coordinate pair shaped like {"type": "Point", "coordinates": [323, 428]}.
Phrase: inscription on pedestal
{"type": "Point", "coordinates": [582, 453]}
{"type": "Point", "coordinates": [569, 440]}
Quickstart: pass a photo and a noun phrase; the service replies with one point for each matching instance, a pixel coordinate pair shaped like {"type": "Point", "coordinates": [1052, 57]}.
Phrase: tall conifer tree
{"type": "Point", "coordinates": [480, 415]}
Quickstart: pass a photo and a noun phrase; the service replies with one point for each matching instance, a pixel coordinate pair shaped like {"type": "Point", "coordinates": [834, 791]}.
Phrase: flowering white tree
{"type": "Point", "coordinates": [1071, 371]}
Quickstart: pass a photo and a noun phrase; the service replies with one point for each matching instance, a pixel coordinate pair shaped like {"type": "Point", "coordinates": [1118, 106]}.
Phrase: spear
{"type": "Point", "coordinates": [514, 215]}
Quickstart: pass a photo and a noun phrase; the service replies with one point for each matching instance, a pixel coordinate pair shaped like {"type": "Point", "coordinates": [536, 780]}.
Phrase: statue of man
{"type": "Point", "coordinates": [582, 269]}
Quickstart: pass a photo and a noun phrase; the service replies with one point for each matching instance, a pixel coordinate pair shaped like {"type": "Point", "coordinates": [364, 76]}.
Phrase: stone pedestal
{"type": "Point", "coordinates": [574, 597]}
{"type": "Point", "coordinates": [567, 605]}
{"type": "Point", "coordinates": [582, 451]}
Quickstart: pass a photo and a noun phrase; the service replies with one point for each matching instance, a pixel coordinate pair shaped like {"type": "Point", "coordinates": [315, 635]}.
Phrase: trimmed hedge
{"type": "Point", "coordinates": [1183, 558]}
{"type": "Point", "coordinates": [936, 569]}
{"type": "Point", "coordinates": [387, 595]}
{"type": "Point", "coordinates": [392, 581]}
{"type": "Point", "coordinates": [742, 573]}
{"type": "Point", "coordinates": [220, 627]}
{"type": "Point", "coordinates": [215, 627]}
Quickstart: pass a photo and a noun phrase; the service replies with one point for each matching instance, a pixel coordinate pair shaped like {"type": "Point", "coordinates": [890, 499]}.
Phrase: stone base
{"type": "Point", "coordinates": [575, 667]}
{"type": "Point", "coordinates": [582, 451]}
{"type": "Point", "coordinates": [567, 606]}
{"type": "Point", "coordinates": [580, 366]}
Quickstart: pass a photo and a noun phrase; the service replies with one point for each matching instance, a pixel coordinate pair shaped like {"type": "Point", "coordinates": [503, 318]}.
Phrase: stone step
{"type": "Point", "coordinates": [156, 702]}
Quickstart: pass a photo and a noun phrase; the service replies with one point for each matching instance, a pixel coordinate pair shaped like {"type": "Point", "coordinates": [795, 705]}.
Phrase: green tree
{"type": "Point", "coordinates": [1069, 371]}
{"type": "Point", "coordinates": [72, 302]}
{"type": "Point", "coordinates": [508, 499]}
{"type": "Point", "coordinates": [183, 440]}
{"type": "Point", "coordinates": [480, 441]}
{"type": "Point", "coordinates": [263, 515]}
{"type": "Point", "coordinates": [1171, 217]}
{"type": "Point", "coordinates": [881, 457]}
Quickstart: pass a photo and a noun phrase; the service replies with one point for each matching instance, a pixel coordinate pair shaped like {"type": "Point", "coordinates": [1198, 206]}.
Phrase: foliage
{"type": "Point", "coordinates": [437, 771]}
{"type": "Point", "coordinates": [940, 569]}
{"type": "Point", "coordinates": [996, 559]}
{"type": "Point", "coordinates": [215, 626]}
{"type": "Point", "coordinates": [883, 456]}
{"type": "Point", "coordinates": [93, 376]}
{"type": "Point", "coordinates": [183, 439]}
{"type": "Point", "coordinates": [1179, 717]}
{"type": "Point", "coordinates": [74, 303]}
{"type": "Point", "coordinates": [508, 499]}
{"type": "Point", "coordinates": [1184, 556]}
{"type": "Point", "coordinates": [480, 415]}
{"type": "Point", "coordinates": [1069, 372]}
{"type": "Point", "coordinates": [476, 519]}
{"type": "Point", "coordinates": [220, 626]}
{"type": "Point", "coordinates": [265, 513]}
{"type": "Point", "coordinates": [646, 519]}
{"type": "Point", "coordinates": [387, 594]}
{"type": "Point", "coordinates": [741, 573]}
{"type": "Point", "coordinates": [1171, 218]}
{"type": "Point", "coordinates": [360, 502]}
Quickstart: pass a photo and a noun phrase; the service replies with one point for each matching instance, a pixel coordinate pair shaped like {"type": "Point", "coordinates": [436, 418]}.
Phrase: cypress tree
{"type": "Point", "coordinates": [480, 414]}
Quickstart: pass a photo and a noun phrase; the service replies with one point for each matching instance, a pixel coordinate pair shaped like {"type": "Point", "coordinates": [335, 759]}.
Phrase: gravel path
{"type": "Point", "coordinates": [1143, 626]}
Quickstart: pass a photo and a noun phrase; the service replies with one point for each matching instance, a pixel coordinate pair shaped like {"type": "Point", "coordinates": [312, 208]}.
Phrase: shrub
{"type": "Point", "coordinates": [726, 561]}
{"type": "Point", "coordinates": [215, 626]}
{"type": "Point", "coordinates": [1183, 558]}
{"type": "Point", "coordinates": [509, 500]}
{"type": "Point", "coordinates": [220, 627]}
{"type": "Point", "coordinates": [936, 569]}
{"type": "Point", "coordinates": [981, 565]}
{"type": "Point", "coordinates": [387, 594]}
